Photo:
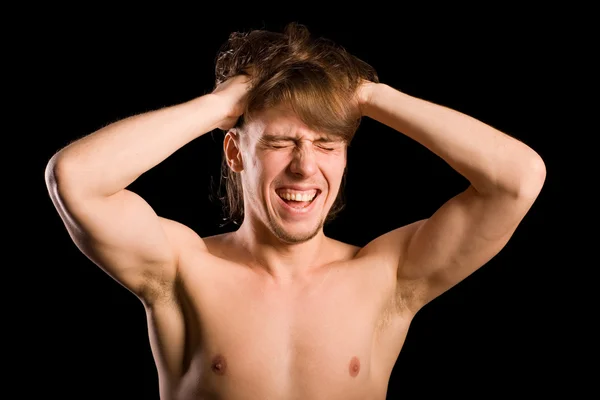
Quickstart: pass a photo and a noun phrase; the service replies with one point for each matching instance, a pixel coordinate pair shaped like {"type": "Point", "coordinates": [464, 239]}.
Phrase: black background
{"type": "Point", "coordinates": [491, 333]}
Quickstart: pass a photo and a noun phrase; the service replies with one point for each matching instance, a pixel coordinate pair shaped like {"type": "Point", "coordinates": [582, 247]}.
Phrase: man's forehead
{"type": "Point", "coordinates": [293, 130]}
{"type": "Point", "coordinates": [281, 125]}
{"type": "Point", "coordinates": [274, 135]}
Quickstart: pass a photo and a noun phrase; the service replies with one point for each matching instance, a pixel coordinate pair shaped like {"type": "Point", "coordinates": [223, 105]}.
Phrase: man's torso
{"type": "Point", "coordinates": [232, 333]}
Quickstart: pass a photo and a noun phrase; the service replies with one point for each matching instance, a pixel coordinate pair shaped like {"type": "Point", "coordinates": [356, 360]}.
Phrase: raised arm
{"type": "Point", "coordinates": [114, 227]}
{"type": "Point", "coordinates": [505, 178]}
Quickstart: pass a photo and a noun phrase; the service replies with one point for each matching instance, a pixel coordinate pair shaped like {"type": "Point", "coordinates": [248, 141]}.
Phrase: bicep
{"type": "Point", "coordinates": [123, 235]}
{"type": "Point", "coordinates": [461, 236]}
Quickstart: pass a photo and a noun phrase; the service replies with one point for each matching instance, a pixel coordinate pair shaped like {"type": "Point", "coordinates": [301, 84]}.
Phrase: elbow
{"type": "Point", "coordinates": [521, 181]}
{"type": "Point", "coordinates": [57, 176]}
{"type": "Point", "coordinates": [534, 177]}
{"type": "Point", "coordinates": [50, 173]}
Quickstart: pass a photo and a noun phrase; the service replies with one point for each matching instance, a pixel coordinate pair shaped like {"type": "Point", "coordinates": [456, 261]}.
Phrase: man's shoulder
{"type": "Point", "coordinates": [389, 244]}
{"type": "Point", "coordinates": [219, 244]}
{"type": "Point", "coordinates": [341, 249]}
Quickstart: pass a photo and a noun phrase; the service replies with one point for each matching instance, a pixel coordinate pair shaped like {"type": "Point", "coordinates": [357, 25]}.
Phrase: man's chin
{"type": "Point", "coordinates": [295, 233]}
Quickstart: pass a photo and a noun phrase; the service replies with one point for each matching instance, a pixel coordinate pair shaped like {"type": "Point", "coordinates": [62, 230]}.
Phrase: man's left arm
{"type": "Point", "coordinates": [505, 178]}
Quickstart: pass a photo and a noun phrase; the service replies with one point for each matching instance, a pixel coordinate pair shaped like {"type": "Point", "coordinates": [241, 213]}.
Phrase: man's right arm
{"type": "Point", "coordinates": [114, 227]}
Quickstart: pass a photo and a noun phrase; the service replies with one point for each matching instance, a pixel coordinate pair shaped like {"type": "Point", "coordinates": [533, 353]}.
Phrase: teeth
{"type": "Point", "coordinates": [298, 196]}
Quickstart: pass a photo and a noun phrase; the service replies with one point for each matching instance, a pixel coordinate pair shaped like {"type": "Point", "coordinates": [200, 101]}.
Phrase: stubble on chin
{"type": "Point", "coordinates": [290, 238]}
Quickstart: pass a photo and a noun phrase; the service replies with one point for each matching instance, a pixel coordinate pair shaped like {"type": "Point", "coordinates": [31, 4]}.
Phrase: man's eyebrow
{"type": "Point", "coordinates": [275, 138]}
{"type": "Point", "coordinates": [328, 139]}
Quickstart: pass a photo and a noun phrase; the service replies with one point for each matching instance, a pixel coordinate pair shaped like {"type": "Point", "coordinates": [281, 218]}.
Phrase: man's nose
{"type": "Point", "coordinates": [304, 162]}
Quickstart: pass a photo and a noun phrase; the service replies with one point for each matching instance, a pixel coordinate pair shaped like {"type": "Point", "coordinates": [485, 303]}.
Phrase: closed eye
{"type": "Point", "coordinates": [282, 142]}
{"type": "Point", "coordinates": [327, 148]}
{"type": "Point", "coordinates": [279, 146]}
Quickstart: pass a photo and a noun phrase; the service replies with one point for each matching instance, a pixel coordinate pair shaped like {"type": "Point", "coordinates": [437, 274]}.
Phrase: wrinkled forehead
{"type": "Point", "coordinates": [279, 123]}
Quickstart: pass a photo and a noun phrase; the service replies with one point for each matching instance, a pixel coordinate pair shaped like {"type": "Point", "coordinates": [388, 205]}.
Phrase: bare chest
{"type": "Point", "coordinates": [316, 340]}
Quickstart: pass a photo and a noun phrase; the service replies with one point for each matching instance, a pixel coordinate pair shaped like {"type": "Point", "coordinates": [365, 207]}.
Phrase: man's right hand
{"type": "Point", "coordinates": [234, 93]}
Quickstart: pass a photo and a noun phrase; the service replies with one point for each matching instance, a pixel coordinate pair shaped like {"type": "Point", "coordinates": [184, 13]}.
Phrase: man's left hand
{"type": "Point", "coordinates": [364, 94]}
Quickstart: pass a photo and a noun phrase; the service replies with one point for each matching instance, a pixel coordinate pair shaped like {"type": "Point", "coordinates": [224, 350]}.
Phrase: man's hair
{"type": "Point", "coordinates": [314, 77]}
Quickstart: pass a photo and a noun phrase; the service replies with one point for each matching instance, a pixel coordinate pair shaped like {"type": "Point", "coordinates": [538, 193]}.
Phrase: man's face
{"type": "Point", "coordinates": [291, 175]}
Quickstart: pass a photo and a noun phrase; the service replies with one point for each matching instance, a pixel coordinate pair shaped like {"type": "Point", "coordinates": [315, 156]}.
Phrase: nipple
{"type": "Point", "coordinates": [218, 365]}
{"type": "Point", "coordinates": [354, 366]}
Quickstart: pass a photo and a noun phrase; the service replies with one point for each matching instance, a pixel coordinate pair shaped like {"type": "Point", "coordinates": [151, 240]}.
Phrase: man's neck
{"type": "Point", "coordinates": [283, 261]}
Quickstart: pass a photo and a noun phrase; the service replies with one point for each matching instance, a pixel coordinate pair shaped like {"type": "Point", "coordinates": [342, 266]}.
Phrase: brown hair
{"type": "Point", "coordinates": [314, 77]}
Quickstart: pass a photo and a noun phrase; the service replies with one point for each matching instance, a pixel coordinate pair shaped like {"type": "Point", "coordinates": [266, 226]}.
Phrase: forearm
{"type": "Point", "coordinates": [111, 158]}
{"type": "Point", "coordinates": [491, 160]}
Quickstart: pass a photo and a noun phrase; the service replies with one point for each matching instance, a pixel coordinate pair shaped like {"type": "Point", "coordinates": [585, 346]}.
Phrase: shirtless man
{"type": "Point", "coordinates": [277, 310]}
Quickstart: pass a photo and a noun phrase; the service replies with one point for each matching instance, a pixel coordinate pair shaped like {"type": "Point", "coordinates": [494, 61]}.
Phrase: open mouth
{"type": "Point", "coordinates": [298, 199]}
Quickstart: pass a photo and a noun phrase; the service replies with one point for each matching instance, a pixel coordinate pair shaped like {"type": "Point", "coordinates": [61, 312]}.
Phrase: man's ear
{"type": "Point", "coordinates": [233, 153]}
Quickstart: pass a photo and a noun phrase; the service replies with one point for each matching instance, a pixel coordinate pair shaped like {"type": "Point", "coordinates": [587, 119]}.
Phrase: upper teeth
{"type": "Point", "coordinates": [297, 196]}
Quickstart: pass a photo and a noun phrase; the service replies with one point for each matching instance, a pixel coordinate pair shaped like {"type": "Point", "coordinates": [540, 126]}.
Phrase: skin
{"type": "Point", "coordinates": [277, 310]}
{"type": "Point", "coordinates": [285, 154]}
